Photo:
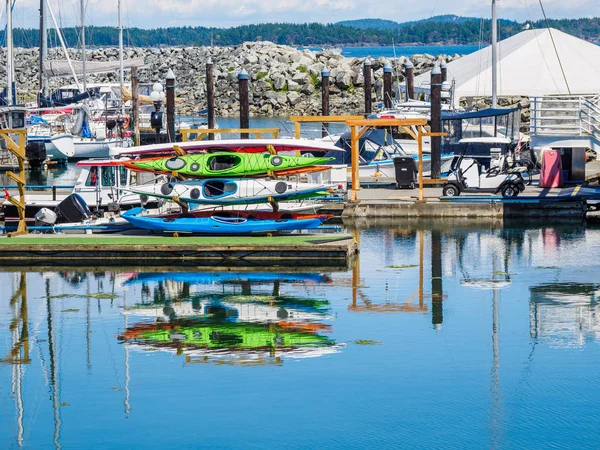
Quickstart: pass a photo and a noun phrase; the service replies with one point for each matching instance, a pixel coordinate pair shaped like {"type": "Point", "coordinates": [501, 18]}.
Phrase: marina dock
{"type": "Point", "coordinates": [113, 250]}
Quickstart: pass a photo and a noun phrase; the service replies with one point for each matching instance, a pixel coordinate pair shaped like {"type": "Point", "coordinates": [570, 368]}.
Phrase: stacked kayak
{"type": "Point", "coordinates": [232, 176]}
{"type": "Point", "coordinates": [222, 191]}
{"type": "Point", "coordinates": [229, 164]}
{"type": "Point", "coordinates": [226, 222]}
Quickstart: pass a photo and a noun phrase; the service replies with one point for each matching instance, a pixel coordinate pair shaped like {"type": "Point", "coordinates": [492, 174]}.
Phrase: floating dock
{"type": "Point", "coordinates": [304, 250]}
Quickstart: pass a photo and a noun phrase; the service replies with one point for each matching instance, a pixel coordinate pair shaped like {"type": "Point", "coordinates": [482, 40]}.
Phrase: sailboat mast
{"type": "Point", "coordinates": [121, 70]}
{"type": "Point", "coordinates": [121, 79]}
{"type": "Point", "coordinates": [10, 69]}
{"type": "Point", "coordinates": [494, 56]}
{"type": "Point", "coordinates": [43, 48]}
{"type": "Point", "coordinates": [83, 56]}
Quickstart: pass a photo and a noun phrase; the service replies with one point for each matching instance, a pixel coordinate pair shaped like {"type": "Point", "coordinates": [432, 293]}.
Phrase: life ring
{"type": "Point", "coordinates": [126, 122]}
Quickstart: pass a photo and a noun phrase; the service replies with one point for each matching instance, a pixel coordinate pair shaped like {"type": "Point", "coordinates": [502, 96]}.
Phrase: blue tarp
{"type": "Point", "coordinates": [489, 112]}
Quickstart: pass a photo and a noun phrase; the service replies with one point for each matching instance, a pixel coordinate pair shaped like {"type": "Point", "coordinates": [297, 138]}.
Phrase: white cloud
{"type": "Point", "coordinates": [225, 13]}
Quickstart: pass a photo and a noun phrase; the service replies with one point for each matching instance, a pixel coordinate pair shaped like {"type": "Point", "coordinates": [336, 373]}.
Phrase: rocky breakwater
{"type": "Point", "coordinates": [283, 79]}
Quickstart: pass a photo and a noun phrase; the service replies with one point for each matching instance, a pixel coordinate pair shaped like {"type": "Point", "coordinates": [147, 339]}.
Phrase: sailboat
{"type": "Point", "coordinates": [92, 134]}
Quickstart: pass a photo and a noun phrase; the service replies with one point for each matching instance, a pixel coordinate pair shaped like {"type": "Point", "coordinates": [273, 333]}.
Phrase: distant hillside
{"type": "Point", "coordinates": [375, 24]}
{"type": "Point", "coordinates": [383, 24]}
{"type": "Point", "coordinates": [435, 30]}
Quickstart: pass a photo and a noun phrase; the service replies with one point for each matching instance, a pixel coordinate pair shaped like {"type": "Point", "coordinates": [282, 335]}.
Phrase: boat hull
{"type": "Point", "coordinates": [221, 223]}
{"type": "Point", "coordinates": [229, 192]}
{"type": "Point", "coordinates": [226, 164]}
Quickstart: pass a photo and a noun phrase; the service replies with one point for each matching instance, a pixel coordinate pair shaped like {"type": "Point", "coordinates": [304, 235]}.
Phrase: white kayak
{"type": "Point", "coordinates": [232, 191]}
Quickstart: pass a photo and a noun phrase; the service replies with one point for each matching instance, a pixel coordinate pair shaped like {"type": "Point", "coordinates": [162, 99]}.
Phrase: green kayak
{"type": "Point", "coordinates": [227, 164]}
{"type": "Point", "coordinates": [225, 335]}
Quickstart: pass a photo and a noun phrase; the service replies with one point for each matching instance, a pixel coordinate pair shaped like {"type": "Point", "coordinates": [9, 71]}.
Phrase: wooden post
{"type": "Point", "coordinates": [420, 147]}
{"type": "Point", "coordinates": [325, 99]}
{"type": "Point", "coordinates": [436, 122]}
{"type": "Point", "coordinates": [444, 69]}
{"type": "Point", "coordinates": [387, 85]}
{"type": "Point", "coordinates": [135, 105]}
{"type": "Point", "coordinates": [355, 162]}
{"type": "Point", "coordinates": [210, 97]}
{"type": "Point", "coordinates": [367, 70]}
{"type": "Point", "coordinates": [421, 251]}
{"type": "Point", "coordinates": [244, 103]}
{"type": "Point", "coordinates": [409, 70]}
{"type": "Point", "coordinates": [17, 149]}
{"type": "Point", "coordinates": [170, 97]}
{"type": "Point", "coordinates": [437, 314]}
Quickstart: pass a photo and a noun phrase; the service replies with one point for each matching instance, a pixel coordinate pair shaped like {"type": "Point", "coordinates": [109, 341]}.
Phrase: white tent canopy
{"type": "Point", "coordinates": [528, 65]}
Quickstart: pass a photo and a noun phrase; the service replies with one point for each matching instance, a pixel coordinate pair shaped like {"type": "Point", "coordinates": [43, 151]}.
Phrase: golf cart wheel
{"type": "Point", "coordinates": [451, 190]}
{"type": "Point", "coordinates": [412, 185]}
{"type": "Point", "coordinates": [510, 190]}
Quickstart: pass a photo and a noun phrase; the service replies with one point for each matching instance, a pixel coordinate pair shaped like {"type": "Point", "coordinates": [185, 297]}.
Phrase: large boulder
{"type": "Point", "coordinates": [293, 98]}
{"type": "Point", "coordinates": [344, 79]}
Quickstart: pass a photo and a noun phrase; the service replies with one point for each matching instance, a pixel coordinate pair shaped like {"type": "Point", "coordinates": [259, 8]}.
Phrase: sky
{"type": "Point", "coordinates": [228, 13]}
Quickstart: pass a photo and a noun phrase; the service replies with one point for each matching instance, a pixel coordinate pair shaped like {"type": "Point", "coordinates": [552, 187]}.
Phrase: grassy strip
{"type": "Point", "coordinates": [171, 241]}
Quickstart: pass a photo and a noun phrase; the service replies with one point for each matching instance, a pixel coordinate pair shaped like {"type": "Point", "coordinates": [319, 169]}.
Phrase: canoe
{"type": "Point", "coordinates": [232, 191]}
{"type": "Point", "coordinates": [225, 164]}
{"type": "Point", "coordinates": [229, 145]}
{"type": "Point", "coordinates": [226, 222]}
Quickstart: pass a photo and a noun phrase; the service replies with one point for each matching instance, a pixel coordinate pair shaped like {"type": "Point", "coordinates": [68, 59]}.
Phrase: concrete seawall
{"type": "Point", "coordinates": [492, 210]}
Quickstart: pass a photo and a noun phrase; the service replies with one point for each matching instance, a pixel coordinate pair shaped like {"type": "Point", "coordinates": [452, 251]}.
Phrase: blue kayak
{"type": "Point", "coordinates": [228, 277]}
{"type": "Point", "coordinates": [226, 222]}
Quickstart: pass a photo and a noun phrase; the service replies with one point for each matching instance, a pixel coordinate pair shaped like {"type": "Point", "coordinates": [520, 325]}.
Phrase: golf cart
{"type": "Point", "coordinates": [474, 171]}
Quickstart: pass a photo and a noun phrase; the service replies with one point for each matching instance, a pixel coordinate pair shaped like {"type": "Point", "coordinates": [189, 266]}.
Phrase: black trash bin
{"type": "Point", "coordinates": [406, 172]}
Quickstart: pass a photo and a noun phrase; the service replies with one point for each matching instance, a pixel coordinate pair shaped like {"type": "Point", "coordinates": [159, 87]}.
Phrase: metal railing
{"type": "Point", "coordinates": [564, 115]}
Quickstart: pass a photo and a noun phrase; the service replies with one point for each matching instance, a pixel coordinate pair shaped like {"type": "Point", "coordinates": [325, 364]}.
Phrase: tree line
{"type": "Point", "coordinates": [472, 32]}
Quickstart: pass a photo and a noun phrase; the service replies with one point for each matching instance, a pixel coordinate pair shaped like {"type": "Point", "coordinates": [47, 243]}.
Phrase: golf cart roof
{"type": "Point", "coordinates": [486, 140]}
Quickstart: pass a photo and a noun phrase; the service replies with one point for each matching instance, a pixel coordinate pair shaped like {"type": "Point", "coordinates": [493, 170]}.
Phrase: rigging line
{"type": "Point", "coordinates": [554, 45]}
{"type": "Point", "coordinates": [537, 39]}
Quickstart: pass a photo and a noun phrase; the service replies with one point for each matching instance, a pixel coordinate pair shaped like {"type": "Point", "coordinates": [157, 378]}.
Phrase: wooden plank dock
{"type": "Point", "coordinates": [304, 250]}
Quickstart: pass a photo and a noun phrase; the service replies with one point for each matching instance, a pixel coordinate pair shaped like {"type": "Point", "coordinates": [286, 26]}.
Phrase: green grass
{"type": "Point", "coordinates": [171, 241]}
{"type": "Point", "coordinates": [261, 75]}
{"type": "Point", "coordinates": [302, 68]}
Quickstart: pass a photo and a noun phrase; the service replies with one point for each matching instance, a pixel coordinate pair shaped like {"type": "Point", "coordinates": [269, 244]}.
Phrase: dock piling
{"type": "Point", "coordinates": [325, 99]}
{"type": "Point", "coordinates": [436, 122]}
{"type": "Point", "coordinates": [135, 104]}
{"type": "Point", "coordinates": [387, 85]}
{"type": "Point", "coordinates": [409, 70]}
{"type": "Point", "coordinates": [444, 69]}
{"type": "Point", "coordinates": [170, 97]}
{"type": "Point", "coordinates": [244, 103]}
{"type": "Point", "coordinates": [367, 69]}
{"type": "Point", "coordinates": [210, 96]}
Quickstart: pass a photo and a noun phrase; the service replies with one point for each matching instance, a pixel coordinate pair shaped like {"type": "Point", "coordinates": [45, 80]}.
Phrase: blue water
{"type": "Point", "coordinates": [409, 50]}
{"type": "Point", "coordinates": [498, 350]}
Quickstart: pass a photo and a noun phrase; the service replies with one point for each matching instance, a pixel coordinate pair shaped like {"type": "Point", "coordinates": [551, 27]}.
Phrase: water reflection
{"type": "Point", "coordinates": [221, 323]}
{"type": "Point", "coordinates": [457, 311]}
{"type": "Point", "coordinates": [565, 314]}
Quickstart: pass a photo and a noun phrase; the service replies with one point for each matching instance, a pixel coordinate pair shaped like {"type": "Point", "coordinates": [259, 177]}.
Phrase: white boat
{"type": "Point", "coordinates": [232, 191]}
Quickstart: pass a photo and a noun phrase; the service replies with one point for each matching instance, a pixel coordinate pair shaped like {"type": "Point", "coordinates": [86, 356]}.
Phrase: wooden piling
{"type": "Point", "coordinates": [244, 103]}
{"type": "Point", "coordinates": [437, 295]}
{"type": "Point", "coordinates": [387, 85]}
{"type": "Point", "coordinates": [210, 96]}
{"type": "Point", "coordinates": [367, 70]}
{"type": "Point", "coordinates": [409, 71]}
{"type": "Point", "coordinates": [325, 99]}
{"type": "Point", "coordinates": [436, 122]}
{"type": "Point", "coordinates": [444, 69]}
{"type": "Point", "coordinates": [135, 104]}
{"type": "Point", "coordinates": [170, 97]}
